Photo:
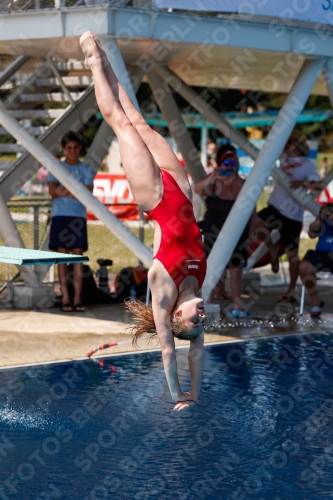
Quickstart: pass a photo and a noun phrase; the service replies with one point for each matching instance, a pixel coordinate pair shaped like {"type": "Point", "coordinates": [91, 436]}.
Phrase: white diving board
{"type": "Point", "coordinates": [27, 257]}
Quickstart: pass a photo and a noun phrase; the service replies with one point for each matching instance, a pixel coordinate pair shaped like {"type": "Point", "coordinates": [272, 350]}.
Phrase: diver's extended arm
{"type": "Point", "coordinates": [167, 342]}
{"type": "Point", "coordinates": [165, 337]}
{"type": "Point", "coordinates": [196, 357]}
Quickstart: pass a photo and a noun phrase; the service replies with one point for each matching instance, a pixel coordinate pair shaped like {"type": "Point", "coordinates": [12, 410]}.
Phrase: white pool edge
{"type": "Point", "coordinates": [233, 341]}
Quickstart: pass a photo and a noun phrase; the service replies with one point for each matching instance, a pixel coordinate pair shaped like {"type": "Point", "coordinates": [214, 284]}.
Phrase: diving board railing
{"type": "Point", "coordinates": [28, 5]}
{"type": "Point", "coordinates": [27, 257]}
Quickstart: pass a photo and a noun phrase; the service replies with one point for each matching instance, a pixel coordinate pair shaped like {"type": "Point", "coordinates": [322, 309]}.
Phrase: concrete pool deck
{"type": "Point", "coordinates": [28, 337]}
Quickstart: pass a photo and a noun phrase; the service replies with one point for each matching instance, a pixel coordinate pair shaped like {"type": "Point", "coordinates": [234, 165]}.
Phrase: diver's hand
{"type": "Point", "coordinates": [184, 405]}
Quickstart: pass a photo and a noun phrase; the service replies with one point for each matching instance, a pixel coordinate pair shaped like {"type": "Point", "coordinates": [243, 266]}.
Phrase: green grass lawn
{"type": "Point", "coordinates": [104, 245]}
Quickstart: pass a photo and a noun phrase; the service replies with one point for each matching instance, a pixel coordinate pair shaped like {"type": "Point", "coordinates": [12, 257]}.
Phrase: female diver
{"type": "Point", "coordinates": [161, 189]}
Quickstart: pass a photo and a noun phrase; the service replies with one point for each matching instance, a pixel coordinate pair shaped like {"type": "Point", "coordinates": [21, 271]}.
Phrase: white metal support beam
{"type": "Point", "coordinates": [177, 127]}
{"type": "Point", "coordinates": [224, 126]}
{"type": "Point", "coordinates": [152, 26]}
{"type": "Point", "coordinates": [203, 145]}
{"type": "Point", "coordinates": [77, 188]}
{"type": "Point", "coordinates": [301, 195]}
{"type": "Point", "coordinates": [250, 192]}
{"type": "Point", "coordinates": [41, 270]}
{"type": "Point", "coordinates": [206, 110]}
{"type": "Point", "coordinates": [12, 68]}
{"type": "Point", "coordinates": [13, 101]}
{"type": "Point", "coordinates": [64, 89]}
{"type": "Point", "coordinates": [99, 146]}
{"type": "Point", "coordinates": [12, 238]}
{"type": "Point", "coordinates": [328, 76]}
{"type": "Point", "coordinates": [8, 230]}
{"type": "Point", "coordinates": [61, 82]}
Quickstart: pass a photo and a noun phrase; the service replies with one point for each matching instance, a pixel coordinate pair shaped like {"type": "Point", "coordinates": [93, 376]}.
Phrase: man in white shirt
{"type": "Point", "coordinates": [283, 212]}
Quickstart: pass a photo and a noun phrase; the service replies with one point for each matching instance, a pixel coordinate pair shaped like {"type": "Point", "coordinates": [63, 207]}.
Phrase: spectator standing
{"type": "Point", "coordinates": [220, 189]}
{"type": "Point", "coordinates": [323, 168]}
{"type": "Point", "coordinates": [320, 259]}
{"type": "Point", "coordinates": [211, 155]}
{"type": "Point", "coordinates": [283, 212]}
{"type": "Point", "coordinates": [68, 225]}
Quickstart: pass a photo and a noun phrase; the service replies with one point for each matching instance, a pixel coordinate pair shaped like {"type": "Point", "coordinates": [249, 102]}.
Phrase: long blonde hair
{"type": "Point", "coordinates": [143, 323]}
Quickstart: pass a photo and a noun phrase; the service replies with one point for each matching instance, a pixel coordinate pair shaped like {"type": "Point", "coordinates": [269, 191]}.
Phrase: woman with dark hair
{"type": "Point", "coordinates": [161, 189]}
{"type": "Point", "coordinates": [220, 190]}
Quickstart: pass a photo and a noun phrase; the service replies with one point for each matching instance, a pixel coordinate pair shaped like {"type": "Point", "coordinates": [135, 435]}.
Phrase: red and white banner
{"type": "Point", "coordinates": [112, 189]}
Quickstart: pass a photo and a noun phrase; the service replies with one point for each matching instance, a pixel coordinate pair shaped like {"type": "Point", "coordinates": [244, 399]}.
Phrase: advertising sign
{"type": "Point", "coordinates": [111, 189]}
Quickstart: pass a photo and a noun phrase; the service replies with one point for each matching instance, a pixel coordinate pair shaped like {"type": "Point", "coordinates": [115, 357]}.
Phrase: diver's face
{"type": "Point", "coordinates": [192, 314]}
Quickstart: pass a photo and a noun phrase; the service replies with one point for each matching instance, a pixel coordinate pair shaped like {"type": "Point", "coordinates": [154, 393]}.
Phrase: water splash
{"type": "Point", "coordinates": [14, 416]}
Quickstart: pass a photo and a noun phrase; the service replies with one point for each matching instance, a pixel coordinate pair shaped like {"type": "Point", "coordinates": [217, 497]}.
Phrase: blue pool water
{"type": "Point", "coordinates": [263, 428]}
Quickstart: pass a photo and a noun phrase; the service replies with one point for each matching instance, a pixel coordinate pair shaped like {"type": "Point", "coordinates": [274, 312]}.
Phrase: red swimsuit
{"type": "Point", "coordinates": [181, 251]}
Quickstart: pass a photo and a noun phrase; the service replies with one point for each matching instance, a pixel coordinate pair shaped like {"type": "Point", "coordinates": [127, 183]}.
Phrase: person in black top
{"type": "Point", "coordinates": [220, 189]}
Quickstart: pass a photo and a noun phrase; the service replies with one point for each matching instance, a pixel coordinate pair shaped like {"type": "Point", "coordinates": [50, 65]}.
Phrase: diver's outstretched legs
{"type": "Point", "coordinates": [156, 144]}
{"type": "Point", "coordinates": [141, 169]}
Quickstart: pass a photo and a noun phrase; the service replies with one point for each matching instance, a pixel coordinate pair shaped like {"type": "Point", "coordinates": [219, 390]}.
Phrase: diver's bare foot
{"type": "Point", "coordinates": [92, 49]}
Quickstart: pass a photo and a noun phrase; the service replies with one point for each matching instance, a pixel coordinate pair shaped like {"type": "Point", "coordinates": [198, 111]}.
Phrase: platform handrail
{"type": "Point", "coordinates": [29, 5]}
